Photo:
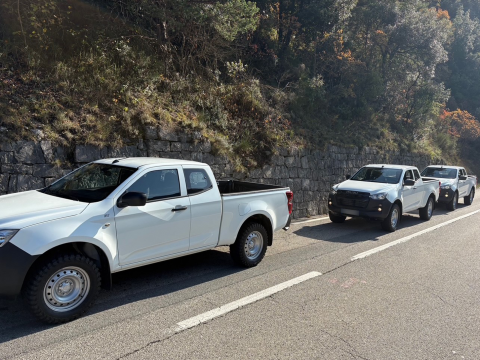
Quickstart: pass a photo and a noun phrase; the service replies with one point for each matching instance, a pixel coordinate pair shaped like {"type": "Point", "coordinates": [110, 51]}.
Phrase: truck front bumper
{"type": "Point", "coordinates": [446, 195]}
{"type": "Point", "coordinates": [376, 209]}
{"type": "Point", "coordinates": [14, 265]}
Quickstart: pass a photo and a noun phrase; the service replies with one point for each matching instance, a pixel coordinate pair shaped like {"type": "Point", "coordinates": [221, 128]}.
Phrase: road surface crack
{"type": "Point", "coordinates": [355, 353]}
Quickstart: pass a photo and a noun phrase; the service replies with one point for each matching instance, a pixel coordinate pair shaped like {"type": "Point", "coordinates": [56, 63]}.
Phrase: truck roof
{"type": "Point", "coordinates": [390, 166]}
{"type": "Point", "coordinates": [447, 166]}
{"type": "Point", "coordinates": [136, 162]}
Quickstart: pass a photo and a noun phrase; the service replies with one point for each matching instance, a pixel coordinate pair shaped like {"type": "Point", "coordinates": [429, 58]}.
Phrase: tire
{"type": "Point", "coordinates": [452, 205]}
{"type": "Point", "coordinates": [338, 219]}
{"type": "Point", "coordinates": [251, 245]}
{"type": "Point", "coordinates": [390, 223]}
{"type": "Point", "coordinates": [427, 211]}
{"type": "Point", "coordinates": [80, 279]}
{"type": "Point", "coordinates": [468, 200]}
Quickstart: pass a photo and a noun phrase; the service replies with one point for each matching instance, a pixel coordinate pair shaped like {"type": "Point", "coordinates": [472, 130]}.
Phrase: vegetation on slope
{"type": "Point", "coordinates": [249, 75]}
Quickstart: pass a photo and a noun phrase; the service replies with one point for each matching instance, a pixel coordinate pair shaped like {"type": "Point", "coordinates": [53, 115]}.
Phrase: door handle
{"type": "Point", "coordinates": [179, 208]}
{"type": "Point", "coordinates": [414, 187]}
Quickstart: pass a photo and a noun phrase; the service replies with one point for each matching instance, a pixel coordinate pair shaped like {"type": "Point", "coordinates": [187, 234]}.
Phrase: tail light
{"type": "Point", "coordinates": [290, 201]}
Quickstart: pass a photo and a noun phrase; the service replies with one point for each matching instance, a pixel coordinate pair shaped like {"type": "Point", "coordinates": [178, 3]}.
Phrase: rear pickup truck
{"type": "Point", "coordinates": [383, 192]}
{"type": "Point", "coordinates": [455, 183]}
{"type": "Point", "coordinates": [60, 245]}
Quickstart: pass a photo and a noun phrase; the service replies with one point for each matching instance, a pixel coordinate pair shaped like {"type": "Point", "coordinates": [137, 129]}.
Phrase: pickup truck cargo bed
{"type": "Point", "coordinates": [227, 187]}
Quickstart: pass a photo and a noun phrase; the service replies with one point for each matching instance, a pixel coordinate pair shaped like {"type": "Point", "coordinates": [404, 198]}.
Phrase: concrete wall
{"type": "Point", "coordinates": [310, 173]}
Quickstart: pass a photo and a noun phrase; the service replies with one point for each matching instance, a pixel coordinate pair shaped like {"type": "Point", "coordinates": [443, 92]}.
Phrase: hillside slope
{"type": "Point", "coordinates": [249, 76]}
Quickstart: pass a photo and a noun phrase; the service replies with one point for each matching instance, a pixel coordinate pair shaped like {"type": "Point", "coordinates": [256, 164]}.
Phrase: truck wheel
{"type": "Point", "coordinates": [390, 223]}
{"type": "Point", "coordinates": [336, 218]}
{"type": "Point", "coordinates": [452, 205]}
{"type": "Point", "coordinates": [468, 200]}
{"type": "Point", "coordinates": [427, 211]}
{"type": "Point", "coordinates": [63, 288]}
{"type": "Point", "coordinates": [250, 246]}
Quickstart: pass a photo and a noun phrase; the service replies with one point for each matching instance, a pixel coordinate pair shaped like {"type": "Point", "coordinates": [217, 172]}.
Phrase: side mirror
{"type": "Point", "coordinates": [462, 178]}
{"type": "Point", "coordinates": [132, 199]}
{"type": "Point", "coordinates": [409, 182]}
{"type": "Point", "coordinates": [347, 177]}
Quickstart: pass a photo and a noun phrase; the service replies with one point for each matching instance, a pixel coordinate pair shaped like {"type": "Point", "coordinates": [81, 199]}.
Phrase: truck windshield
{"type": "Point", "coordinates": [91, 183]}
{"type": "Point", "coordinates": [442, 173]}
{"type": "Point", "coordinates": [380, 175]}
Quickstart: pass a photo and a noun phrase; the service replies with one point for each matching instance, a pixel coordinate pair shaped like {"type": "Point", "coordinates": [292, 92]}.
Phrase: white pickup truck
{"type": "Point", "coordinates": [59, 245]}
{"type": "Point", "coordinates": [455, 183]}
{"type": "Point", "coordinates": [383, 192]}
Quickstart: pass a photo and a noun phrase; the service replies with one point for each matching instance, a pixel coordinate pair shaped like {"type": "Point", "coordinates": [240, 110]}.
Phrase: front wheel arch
{"type": "Point", "coordinates": [82, 248]}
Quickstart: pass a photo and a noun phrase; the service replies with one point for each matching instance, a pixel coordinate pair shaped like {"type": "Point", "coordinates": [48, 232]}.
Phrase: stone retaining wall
{"type": "Point", "coordinates": [310, 173]}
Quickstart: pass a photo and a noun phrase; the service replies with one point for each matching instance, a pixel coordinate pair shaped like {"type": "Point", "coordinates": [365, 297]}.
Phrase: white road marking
{"type": "Point", "coordinates": [222, 310]}
{"type": "Point", "coordinates": [409, 237]}
{"type": "Point", "coordinates": [309, 221]}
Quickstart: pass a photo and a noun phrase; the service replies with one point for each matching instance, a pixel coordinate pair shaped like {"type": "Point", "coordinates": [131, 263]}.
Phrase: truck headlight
{"type": "Point", "coordinates": [445, 187]}
{"type": "Point", "coordinates": [6, 235]}
{"type": "Point", "coordinates": [333, 192]}
{"type": "Point", "coordinates": [380, 196]}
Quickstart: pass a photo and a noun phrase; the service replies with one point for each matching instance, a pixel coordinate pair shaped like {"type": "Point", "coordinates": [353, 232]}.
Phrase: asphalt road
{"type": "Point", "coordinates": [418, 299]}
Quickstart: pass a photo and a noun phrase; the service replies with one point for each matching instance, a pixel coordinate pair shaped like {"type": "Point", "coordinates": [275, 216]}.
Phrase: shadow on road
{"type": "Point", "coordinates": [128, 287]}
{"type": "Point", "coordinates": [355, 230]}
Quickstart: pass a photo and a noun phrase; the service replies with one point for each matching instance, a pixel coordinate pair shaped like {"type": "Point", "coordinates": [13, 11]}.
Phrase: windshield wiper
{"type": "Point", "coordinates": [71, 197]}
{"type": "Point", "coordinates": [60, 194]}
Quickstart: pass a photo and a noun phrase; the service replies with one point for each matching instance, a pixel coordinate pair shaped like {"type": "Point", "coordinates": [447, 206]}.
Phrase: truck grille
{"type": "Point", "coordinates": [355, 199]}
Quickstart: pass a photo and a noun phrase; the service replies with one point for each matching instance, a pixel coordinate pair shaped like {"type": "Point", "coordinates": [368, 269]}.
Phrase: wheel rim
{"type": "Point", "coordinates": [471, 196]}
{"type": "Point", "coordinates": [455, 201]}
{"type": "Point", "coordinates": [430, 207]}
{"type": "Point", "coordinates": [394, 218]}
{"type": "Point", "coordinates": [66, 289]}
{"type": "Point", "coordinates": [254, 245]}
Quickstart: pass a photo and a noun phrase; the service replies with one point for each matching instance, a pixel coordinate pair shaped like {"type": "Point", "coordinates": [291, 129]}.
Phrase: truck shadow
{"type": "Point", "coordinates": [355, 230]}
{"type": "Point", "coordinates": [128, 287]}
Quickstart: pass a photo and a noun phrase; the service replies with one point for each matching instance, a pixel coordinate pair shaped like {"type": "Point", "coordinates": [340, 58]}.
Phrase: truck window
{"type": "Point", "coordinates": [90, 183]}
{"type": "Point", "coordinates": [408, 175]}
{"type": "Point", "coordinates": [416, 174]}
{"type": "Point", "coordinates": [380, 175]}
{"type": "Point", "coordinates": [462, 172]}
{"type": "Point", "coordinates": [197, 181]}
{"type": "Point", "coordinates": [157, 185]}
{"type": "Point", "coordinates": [440, 172]}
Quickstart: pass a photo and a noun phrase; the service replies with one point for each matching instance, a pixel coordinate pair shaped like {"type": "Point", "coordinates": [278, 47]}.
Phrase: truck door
{"type": "Point", "coordinates": [462, 184]}
{"type": "Point", "coordinates": [206, 206]}
{"type": "Point", "coordinates": [420, 191]}
{"type": "Point", "coordinates": [162, 226]}
{"type": "Point", "coordinates": [409, 193]}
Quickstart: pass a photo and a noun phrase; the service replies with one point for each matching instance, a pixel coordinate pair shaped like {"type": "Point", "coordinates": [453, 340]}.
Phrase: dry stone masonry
{"type": "Point", "coordinates": [310, 173]}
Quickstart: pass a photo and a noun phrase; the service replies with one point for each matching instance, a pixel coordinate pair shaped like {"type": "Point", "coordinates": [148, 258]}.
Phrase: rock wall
{"type": "Point", "coordinates": [310, 173]}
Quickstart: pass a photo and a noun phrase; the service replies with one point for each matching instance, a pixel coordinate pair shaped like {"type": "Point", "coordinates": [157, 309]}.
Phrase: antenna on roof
{"type": "Point", "coordinates": [118, 160]}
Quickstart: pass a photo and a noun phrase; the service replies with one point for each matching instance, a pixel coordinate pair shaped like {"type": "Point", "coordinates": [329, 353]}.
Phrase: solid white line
{"type": "Point", "coordinates": [409, 237]}
{"type": "Point", "coordinates": [222, 310]}
{"type": "Point", "coordinates": [309, 221]}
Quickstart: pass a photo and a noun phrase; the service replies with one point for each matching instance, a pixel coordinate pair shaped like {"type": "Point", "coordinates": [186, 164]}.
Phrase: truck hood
{"type": "Point", "coordinates": [444, 181]}
{"type": "Point", "coordinates": [32, 207]}
{"type": "Point", "coordinates": [370, 187]}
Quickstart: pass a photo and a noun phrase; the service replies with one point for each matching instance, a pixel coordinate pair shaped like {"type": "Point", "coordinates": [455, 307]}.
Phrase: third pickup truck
{"type": "Point", "coordinates": [455, 183]}
{"type": "Point", "coordinates": [383, 192]}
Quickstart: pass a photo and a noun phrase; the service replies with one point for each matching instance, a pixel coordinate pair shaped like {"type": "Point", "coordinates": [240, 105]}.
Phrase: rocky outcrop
{"type": "Point", "coordinates": [310, 173]}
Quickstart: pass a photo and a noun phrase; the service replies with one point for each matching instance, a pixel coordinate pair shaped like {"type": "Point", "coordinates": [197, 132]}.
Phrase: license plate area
{"type": "Point", "coordinates": [350, 212]}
